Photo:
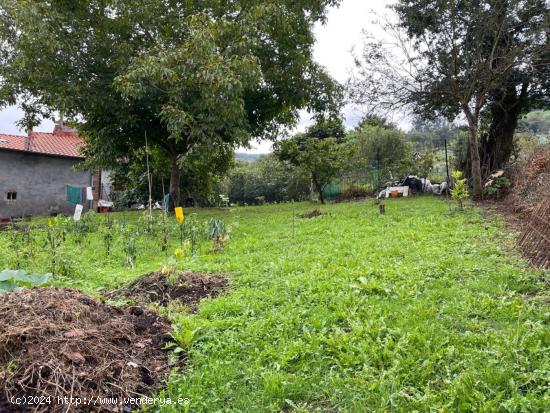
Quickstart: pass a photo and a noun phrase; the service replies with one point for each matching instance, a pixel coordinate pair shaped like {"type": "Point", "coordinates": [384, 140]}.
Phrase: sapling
{"type": "Point", "coordinates": [169, 268]}
{"type": "Point", "coordinates": [293, 220]}
{"type": "Point", "coordinates": [459, 191]}
{"type": "Point", "coordinates": [146, 224]}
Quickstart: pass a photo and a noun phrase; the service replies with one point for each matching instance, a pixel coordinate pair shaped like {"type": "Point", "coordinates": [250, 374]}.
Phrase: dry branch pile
{"type": "Point", "coordinates": [530, 197]}
{"type": "Point", "coordinates": [60, 343]}
{"type": "Point", "coordinates": [531, 182]}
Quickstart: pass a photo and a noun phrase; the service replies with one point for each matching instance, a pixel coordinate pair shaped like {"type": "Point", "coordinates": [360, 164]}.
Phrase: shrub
{"type": "Point", "coordinates": [266, 180]}
{"type": "Point", "coordinates": [499, 186]}
{"type": "Point", "coordinates": [108, 232]}
{"type": "Point", "coordinates": [354, 192]}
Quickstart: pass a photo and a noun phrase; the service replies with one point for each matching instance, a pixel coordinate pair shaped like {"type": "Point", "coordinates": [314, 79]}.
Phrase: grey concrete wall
{"type": "Point", "coordinates": [40, 182]}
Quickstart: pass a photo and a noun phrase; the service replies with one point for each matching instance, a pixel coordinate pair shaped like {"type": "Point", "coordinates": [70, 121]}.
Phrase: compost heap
{"type": "Point", "coordinates": [187, 288]}
{"type": "Point", "coordinates": [58, 342]}
{"type": "Point", "coordinates": [311, 214]}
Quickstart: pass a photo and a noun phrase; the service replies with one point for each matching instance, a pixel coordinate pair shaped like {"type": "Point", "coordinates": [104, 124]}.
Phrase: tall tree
{"type": "Point", "coordinates": [188, 75]}
{"type": "Point", "coordinates": [372, 119]}
{"type": "Point", "coordinates": [455, 56]}
{"type": "Point", "coordinates": [381, 150]}
{"type": "Point", "coordinates": [320, 152]}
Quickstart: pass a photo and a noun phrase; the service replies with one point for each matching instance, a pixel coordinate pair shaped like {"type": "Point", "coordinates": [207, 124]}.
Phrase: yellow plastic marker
{"type": "Point", "coordinates": [180, 217]}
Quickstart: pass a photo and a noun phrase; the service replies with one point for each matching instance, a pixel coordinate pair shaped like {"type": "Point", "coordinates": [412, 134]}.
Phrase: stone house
{"type": "Point", "coordinates": [36, 171]}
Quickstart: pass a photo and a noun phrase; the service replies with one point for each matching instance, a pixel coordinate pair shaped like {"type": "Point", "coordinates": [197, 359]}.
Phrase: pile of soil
{"type": "Point", "coordinates": [57, 342]}
{"type": "Point", "coordinates": [186, 287]}
{"type": "Point", "coordinates": [311, 214]}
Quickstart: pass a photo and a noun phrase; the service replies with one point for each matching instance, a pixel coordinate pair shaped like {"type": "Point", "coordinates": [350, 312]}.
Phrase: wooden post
{"type": "Point", "coordinates": [447, 168]}
{"type": "Point", "coordinates": [148, 178]}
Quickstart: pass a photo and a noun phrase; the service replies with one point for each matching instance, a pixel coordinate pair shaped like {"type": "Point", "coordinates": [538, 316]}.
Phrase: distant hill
{"type": "Point", "coordinates": [249, 157]}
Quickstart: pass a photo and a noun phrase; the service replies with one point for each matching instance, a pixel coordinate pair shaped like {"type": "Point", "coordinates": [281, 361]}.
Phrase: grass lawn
{"type": "Point", "coordinates": [422, 309]}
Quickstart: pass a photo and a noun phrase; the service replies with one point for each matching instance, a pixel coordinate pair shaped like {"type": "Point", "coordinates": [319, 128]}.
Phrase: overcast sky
{"type": "Point", "coordinates": [335, 40]}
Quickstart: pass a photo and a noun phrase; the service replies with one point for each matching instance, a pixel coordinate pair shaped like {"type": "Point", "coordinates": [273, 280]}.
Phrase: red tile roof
{"type": "Point", "coordinates": [58, 143]}
{"type": "Point", "coordinates": [14, 142]}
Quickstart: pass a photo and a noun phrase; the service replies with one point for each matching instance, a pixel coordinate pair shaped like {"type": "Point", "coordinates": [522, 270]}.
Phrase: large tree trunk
{"type": "Point", "coordinates": [497, 145]}
{"type": "Point", "coordinates": [475, 161]}
{"type": "Point", "coordinates": [319, 189]}
{"type": "Point", "coordinates": [175, 178]}
{"type": "Point", "coordinates": [321, 196]}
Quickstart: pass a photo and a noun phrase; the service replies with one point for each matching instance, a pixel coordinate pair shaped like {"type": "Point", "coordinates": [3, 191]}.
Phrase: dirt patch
{"type": "Point", "coordinates": [311, 214]}
{"type": "Point", "coordinates": [186, 287]}
{"type": "Point", "coordinates": [59, 343]}
{"type": "Point", "coordinates": [514, 220]}
{"type": "Point", "coordinates": [531, 230]}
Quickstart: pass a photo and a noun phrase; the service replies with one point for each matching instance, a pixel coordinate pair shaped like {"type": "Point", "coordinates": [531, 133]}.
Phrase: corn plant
{"type": "Point", "coordinates": [108, 234]}
{"type": "Point", "coordinates": [131, 252]}
{"type": "Point", "coordinates": [193, 233]}
{"type": "Point", "coordinates": [147, 224]}
{"type": "Point", "coordinates": [130, 249]}
{"type": "Point", "coordinates": [28, 252]}
{"type": "Point", "coordinates": [165, 233]}
{"type": "Point", "coordinates": [16, 245]}
{"type": "Point", "coordinates": [55, 239]}
{"type": "Point", "coordinates": [218, 232]}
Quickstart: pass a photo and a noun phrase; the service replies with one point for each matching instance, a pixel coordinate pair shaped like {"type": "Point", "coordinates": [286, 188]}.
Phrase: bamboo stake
{"type": "Point", "coordinates": [148, 178]}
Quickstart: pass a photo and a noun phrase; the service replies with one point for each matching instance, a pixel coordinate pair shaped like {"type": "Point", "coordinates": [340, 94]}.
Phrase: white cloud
{"type": "Point", "coordinates": [11, 115]}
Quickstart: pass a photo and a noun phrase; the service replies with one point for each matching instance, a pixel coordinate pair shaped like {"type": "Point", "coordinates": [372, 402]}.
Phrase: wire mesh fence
{"type": "Point", "coordinates": [535, 239]}
{"type": "Point", "coordinates": [360, 182]}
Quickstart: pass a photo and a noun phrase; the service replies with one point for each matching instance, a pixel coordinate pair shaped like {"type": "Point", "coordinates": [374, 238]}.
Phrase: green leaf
{"type": "Point", "coordinates": [11, 274]}
{"type": "Point", "coordinates": [7, 286]}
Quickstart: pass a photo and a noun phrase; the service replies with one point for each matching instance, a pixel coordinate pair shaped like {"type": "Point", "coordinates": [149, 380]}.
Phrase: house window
{"type": "Point", "coordinates": [11, 196]}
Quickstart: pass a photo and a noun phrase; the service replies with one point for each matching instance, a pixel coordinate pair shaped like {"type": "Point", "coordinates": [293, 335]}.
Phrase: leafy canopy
{"type": "Point", "coordinates": [188, 75]}
{"type": "Point", "coordinates": [452, 57]}
{"type": "Point", "coordinates": [318, 152]}
{"type": "Point", "coordinates": [381, 148]}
